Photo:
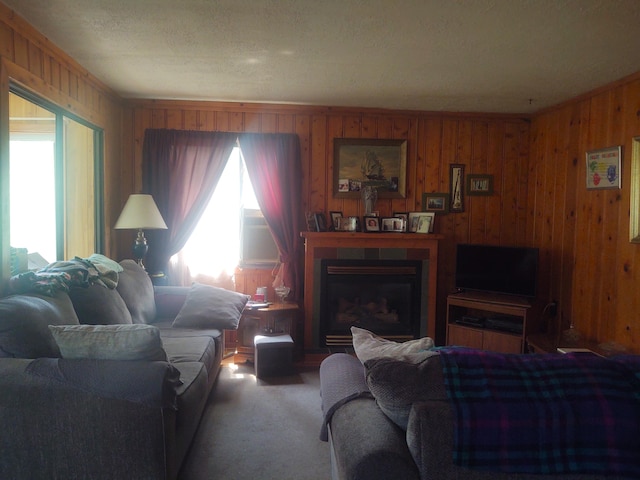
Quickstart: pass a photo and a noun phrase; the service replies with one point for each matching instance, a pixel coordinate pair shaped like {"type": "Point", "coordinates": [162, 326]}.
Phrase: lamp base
{"type": "Point", "coordinates": [140, 248]}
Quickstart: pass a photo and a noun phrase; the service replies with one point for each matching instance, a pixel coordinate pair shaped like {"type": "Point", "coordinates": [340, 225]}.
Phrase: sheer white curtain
{"type": "Point", "coordinates": [213, 250]}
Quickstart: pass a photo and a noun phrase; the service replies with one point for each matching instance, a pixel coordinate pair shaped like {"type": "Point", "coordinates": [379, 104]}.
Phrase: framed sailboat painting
{"type": "Point", "coordinates": [365, 162]}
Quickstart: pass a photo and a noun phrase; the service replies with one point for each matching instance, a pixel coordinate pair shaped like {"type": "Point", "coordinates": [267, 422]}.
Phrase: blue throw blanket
{"type": "Point", "coordinates": [545, 414]}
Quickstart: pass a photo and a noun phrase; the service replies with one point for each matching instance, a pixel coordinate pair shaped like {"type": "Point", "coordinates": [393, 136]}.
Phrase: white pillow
{"type": "Point", "coordinates": [368, 346]}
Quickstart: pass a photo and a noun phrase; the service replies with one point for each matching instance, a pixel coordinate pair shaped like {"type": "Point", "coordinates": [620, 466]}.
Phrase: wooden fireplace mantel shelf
{"type": "Point", "coordinates": [317, 244]}
{"type": "Point", "coordinates": [382, 240]}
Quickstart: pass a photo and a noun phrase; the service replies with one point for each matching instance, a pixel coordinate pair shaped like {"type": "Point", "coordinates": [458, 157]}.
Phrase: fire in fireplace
{"type": "Point", "coordinates": [382, 296]}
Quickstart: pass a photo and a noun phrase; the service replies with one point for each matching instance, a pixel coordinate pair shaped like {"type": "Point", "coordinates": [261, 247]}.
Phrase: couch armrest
{"type": "Point", "coordinates": [54, 425]}
{"type": "Point", "coordinates": [169, 300]}
{"type": "Point", "coordinates": [366, 445]}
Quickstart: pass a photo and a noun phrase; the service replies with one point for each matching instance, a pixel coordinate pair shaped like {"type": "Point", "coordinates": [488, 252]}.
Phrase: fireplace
{"type": "Point", "coordinates": [319, 246]}
{"type": "Point", "coordinates": [383, 296]}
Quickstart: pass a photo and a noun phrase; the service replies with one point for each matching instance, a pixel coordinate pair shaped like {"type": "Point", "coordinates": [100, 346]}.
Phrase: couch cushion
{"type": "Point", "coordinates": [192, 399]}
{"type": "Point", "coordinates": [369, 345]}
{"type": "Point", "coordinates": [169, 300]}
{"type": "Point", "coordinates": [211, 307]}
{"type": "Point", "coordinates": [190, 349]}
{"type": "Point", "coordinates": [24, 320]}
{"type": "Point", "coordinates": [397, 385]}
{"type": "Point", "coordinates": [99, 305]}
{"type": "Point", "coordinates": [109, 342]}
{"type": "Point", "coordinates": [136, 289]}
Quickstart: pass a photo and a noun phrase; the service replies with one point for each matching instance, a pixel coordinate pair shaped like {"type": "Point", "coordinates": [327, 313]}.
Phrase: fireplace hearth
{"type": "Point", "coordinates": [383, 296]}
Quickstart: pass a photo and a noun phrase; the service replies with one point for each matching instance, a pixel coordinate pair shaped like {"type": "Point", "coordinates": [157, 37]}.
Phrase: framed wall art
{"type": "Point", "coordinates": [435, 202]}
{"type": "Point", "coordinates": [634, 210]}
{"type": "Point", "coordinates": [603, 168]}
{"type": "Point", "coordinates": [456, 187]}
{"type": "Point", "coordinates": [478, 185]}
{"type": "Point", "coordinates": [359, 162]}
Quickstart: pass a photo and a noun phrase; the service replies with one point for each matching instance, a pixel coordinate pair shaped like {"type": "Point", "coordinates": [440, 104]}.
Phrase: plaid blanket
{"type": "Point", "coordinates": [545, 414]}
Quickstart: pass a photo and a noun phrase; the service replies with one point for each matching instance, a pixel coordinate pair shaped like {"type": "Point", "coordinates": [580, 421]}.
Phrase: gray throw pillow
{"type": "Point", "coordinates": [109, 342]}
{"type": "Point", "coordinates": [99, 305]}
{"type": "Point", "coordinates": [136, 289]}
{"type": "Point", "coordinates": [211, 307]}
{"type": "Point", "coordinates": [24, 321]}
{"type": "Point", "coordinates": [369, 345]}
{"type": "Point", "coordinates": [397, 385]}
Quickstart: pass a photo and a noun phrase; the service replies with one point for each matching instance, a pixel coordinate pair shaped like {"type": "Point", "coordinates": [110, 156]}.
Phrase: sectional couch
{"type": "Point", "coordinates": [102, 375]}
{"type": "Point", "coordinates": [437, 414]}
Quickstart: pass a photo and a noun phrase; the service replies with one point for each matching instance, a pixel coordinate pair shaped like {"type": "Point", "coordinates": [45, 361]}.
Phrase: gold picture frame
{"type": "Point", "coordinates": [634, 210]}
{"type": "Point", "coordinates": [358, 162]}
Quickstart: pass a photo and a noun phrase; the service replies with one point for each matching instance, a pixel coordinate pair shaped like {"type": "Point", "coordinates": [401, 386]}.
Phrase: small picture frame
{"type": "Point", "coordinates": [335, 219]}
{"type": "Point", "coordinates": [404, 216]}
{"type": "Point", "coordinates": [435, 202]}
{"type": "Point", "coordinates": [348, 224]}
{"type": "Point", "coordinates": [321, 222]}
{"type": "Point", "coordinates": [424, 224]}
{"type": "Point", "coordinates": [479, 185]}
{"type": "Point", "coordinates": [414, 221]}
{"type": "Point", "coordinates": [312, 226]}
{"type": "Point", "coordinates": [391, 224]}
{"type": "Point", "coordinates": [371, 223]}
{"type": "Point", "coordinates": [456, 187]}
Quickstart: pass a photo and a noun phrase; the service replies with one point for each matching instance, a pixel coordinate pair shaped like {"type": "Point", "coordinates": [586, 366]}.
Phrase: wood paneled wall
{"type": "Point", "coordinates": [31, 60]}
{"type": "Point", "coordinates": [589, 266]}
{"type": "Point", "coordinates": [486, 144]}
{"type": "Point", "coordinates": [587, 262]}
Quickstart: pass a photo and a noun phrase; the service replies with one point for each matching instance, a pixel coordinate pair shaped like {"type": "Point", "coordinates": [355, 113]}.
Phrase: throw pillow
{"type": "Point", "coordinates": [397, 385]}
{"type": "Point", "coordinates": [369, 345]}
{"type": "Point", "coordinates": [136, 290]}
{"type": "Point", "coordinates": [211, 307]}
{"type": "Point", "coordinates": [24, 320]}
{"type": "Point", "coordinates": [109, 342]}
{"type": "Point", "coordinates": [99, 305]}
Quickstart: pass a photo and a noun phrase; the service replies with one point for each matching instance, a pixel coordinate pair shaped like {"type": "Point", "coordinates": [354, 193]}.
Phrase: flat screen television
{"type": "Point", "coordinates": [497, 269]}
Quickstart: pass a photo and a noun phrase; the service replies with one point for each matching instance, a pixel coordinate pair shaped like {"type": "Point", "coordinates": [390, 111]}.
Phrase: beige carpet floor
{"type": "Point", "coordinates": [260, 429]}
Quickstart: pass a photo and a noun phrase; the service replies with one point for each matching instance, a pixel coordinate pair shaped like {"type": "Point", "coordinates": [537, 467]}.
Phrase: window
{"type": "Point", "coordinates": [231, 230]}
{"type": "Point", "coordinates": [54, 165]}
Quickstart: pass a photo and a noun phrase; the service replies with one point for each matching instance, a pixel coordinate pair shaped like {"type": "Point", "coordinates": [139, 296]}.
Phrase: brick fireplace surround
{"type": "Point", "coordinates": [410, 246]}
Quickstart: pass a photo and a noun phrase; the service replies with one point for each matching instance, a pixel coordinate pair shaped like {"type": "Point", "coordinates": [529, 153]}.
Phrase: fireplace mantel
{"type": "Point", "coordinates": [319, 245]}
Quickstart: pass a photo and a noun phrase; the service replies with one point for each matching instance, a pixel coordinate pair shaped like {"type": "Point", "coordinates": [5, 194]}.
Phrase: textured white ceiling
{"type": "Point", "coordinates": [514, 56]}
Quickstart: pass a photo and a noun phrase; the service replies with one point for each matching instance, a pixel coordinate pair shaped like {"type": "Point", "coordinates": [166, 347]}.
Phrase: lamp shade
{"type": "Point", "coordinates": [140, 212]}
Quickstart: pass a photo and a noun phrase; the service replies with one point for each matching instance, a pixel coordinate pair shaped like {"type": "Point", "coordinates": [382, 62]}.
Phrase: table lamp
{"type": "Point", "coordinates": [140, 212]}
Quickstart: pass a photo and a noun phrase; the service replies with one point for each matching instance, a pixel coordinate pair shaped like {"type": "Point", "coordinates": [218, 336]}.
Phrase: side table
{"type": "Point", "coordinates": [276, 319]}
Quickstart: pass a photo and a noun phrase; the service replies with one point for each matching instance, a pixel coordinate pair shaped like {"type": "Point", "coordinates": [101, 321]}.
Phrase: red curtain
{"type": "Point", "coordinates": [274, 167]}
{"type": "Point", "coordinates": [181, 169]}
